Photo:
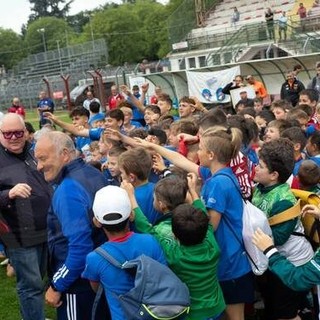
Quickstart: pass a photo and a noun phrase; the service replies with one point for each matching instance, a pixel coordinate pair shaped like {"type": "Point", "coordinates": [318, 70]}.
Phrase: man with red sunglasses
{"type": "Point", "coordinates": [24, 201]}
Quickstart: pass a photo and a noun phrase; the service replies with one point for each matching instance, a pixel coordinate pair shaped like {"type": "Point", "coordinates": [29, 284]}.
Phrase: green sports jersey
{"type": "Point", "coordinates": [195, 265]}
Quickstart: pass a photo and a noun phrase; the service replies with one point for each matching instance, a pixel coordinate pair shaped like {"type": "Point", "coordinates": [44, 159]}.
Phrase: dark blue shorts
{"type": "Point", "coordinates": [239, 290]}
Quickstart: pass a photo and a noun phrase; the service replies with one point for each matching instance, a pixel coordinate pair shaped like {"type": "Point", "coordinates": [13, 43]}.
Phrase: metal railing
{"type": "Point", "coordinates": [299, 41]}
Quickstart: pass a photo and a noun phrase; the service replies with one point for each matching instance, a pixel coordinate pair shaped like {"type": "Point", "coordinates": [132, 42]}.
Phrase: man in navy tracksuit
{"type": "Point", "coordinates": [71, 235]}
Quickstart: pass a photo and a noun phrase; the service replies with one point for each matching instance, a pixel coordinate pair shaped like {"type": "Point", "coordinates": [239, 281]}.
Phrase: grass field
{"type": "Point", "coordinates": [32, 117]}
{"type": "Point", "coordinates": [9, 307]}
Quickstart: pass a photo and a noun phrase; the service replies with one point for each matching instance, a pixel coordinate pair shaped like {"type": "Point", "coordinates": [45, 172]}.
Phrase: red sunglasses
{"type": "Point", "coordinates": [9, 134]}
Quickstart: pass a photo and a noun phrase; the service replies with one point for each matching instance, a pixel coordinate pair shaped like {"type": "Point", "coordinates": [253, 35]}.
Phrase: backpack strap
{"type": "Point", "coordinates": [286, 215]}
{"type": "Point", "coordinates": [108, 257]}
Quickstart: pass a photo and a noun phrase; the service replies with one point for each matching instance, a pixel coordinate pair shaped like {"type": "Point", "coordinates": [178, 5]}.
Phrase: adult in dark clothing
{"type": "Point", "coordinates": [71, 235]}
{"type": "Point", "coordinates": [24, 201]}
{"type": "Point", "coordinates": [235, 84]}
{"type": "Point", "coordinates": [291, 88]}
{"type": "Point", "coordinates": [270, 23]}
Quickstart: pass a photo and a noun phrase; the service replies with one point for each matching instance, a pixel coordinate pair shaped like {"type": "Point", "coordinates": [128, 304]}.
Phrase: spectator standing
{"type": "Point", "coordinates": [115, 99]}
{"type": "Point", "coordinates": [259, 88]}
{"type": "Point", "coordinates": [270, 25]}
{"type": "Point", "coordinates": [25, 199]}
{"type": "Point", "coordinates": [44, 105]}
{"type": "Point", "coordinates": [235, 17]}
{"type": "Point", "coordinates": [235, 84]}
{"type": "Point", "coordinates": [71, 235]}
{"type": "Point", "coordinates": [17, 108]}
{"type": "Point", "coordinates": [315, 82]}
{"type": "Point", "coordinates": [297, 68]}
{"type": "Point", "coordinates": [155, 96]}
{"type": "Point", "coordinates": [302, 12]}
{"type": "Point", "coordinates": [282, 23]}
{"type": "Point", "coordinates": [90, 98]}
{"type": "Point", "coordinates": [291, 88]}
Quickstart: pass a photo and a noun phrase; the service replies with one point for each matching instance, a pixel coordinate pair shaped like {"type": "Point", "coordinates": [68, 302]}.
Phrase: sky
{"type": "Point", "coordinates": [14, 13]}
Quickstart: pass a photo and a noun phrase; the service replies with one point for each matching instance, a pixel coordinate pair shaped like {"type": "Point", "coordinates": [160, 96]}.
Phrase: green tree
{"type": "Point", "coordinates": [132, 31]}
{"type": "Point", "coordinates": [45, 32]}
{"type": "Point", "coordinates": [49, 8]}
{"type": "Point", "coordinates": [12, 49]}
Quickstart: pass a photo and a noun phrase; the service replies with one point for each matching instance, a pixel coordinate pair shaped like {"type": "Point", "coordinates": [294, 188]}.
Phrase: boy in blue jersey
{"type": "Point", "coordinates": [135, 167]}
{"type": "Point", "coordinates": [112, 210]}
{"type": "Point", "coordinates": [80, 118]}
{"type": "Point", "coordinates": [113, 120]}
{"type": "Point", "coordinates": [114, 153]}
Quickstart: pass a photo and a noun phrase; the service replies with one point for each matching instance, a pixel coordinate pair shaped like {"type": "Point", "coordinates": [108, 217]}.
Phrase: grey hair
{"type": "Point", "coordinates": [11, 115]}
{"type": "Point", "coordinates": [60, 141]}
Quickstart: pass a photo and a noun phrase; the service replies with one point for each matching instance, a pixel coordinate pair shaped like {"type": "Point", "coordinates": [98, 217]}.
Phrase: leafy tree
{"type": "Point", "coordinates": [132, 31]}
{"type": "Point", "coordinates": [49, 8]}
{"type": "Point", "coordinates": [79, 20]}
{"type": "Point", "coordinates": [48, 30]}
{"type": "Point", "coordinates": [12, 49]}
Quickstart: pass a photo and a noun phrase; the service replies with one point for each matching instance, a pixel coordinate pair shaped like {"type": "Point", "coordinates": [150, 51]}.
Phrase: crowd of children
{"type": "Point", "coordinates": [186, 177]}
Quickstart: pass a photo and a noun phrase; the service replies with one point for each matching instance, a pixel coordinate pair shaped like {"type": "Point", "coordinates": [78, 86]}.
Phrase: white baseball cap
{"type": "Point", "coordinates": [111, 205]}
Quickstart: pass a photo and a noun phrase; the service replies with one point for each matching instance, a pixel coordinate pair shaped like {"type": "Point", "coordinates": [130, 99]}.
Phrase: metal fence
{"type": "Point", "coordinates": [26, 80]}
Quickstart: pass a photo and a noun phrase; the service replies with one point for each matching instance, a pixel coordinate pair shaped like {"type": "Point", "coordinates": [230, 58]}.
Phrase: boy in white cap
{"type": "Point", "coordinates": [112, 211]}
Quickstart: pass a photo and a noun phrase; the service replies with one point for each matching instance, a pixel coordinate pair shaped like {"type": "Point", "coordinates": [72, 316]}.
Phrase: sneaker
{"type": "Point", "coordinates": [4, 262]}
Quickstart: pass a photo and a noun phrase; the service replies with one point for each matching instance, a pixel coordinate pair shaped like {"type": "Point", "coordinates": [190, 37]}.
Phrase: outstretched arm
{"type": "Point", "coordinates": [174, 157]}
{"type": "Point", "coordinates": [82, 132]}
{"type": "Point", "coordinates": [299, 278]}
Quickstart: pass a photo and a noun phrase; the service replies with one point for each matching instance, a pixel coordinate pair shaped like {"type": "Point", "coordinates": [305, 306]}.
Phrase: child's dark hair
{"type": "Point", "coordinates": [114, 228]}
{"type": "Point", "coordinates": [138, 133]}
{"type": "Point", "coordinates": [296, 135]}
{"type": "Point", "coordinates": [187, 100]}
{"type": "Point", "coordinates": [124, 104]}
{"type": "Point", "coordinates": [312, 94]}
{"type": "Point", "coordinates": [282, 104]}
{"type": "Point", "coordinates": [308, 174]}
{"type": "Point", "coordinates": [224, 142]}
{"type": "Point", "coordinates": [165, 97]}
{"type": "Point", "coordinates": [159, 133]}
{"type": "Point", "coordinates": [116, 151]}
{"type": "Point", "coordinates": [306, 108]}
{"type": "Point", "coordinates": [95, 164]}
{"type": "Point", "coordinates": [189, 225]}
{"type": "Point", "coordinates": [248, 128]}
{"type": "Point", "coordinates": [315, 139]}
{"type": "Point", "coordinates": [280, 124]}
{"type": "Point", "coordinates": [297, 113]}
{"type": "Point", "coordinates": [266, 115]}
{"type": "Point", "coordinates": [94, 107]}
{"type": "Point", "coordinates": [172, 191]}
{"type": "Point", "coordinates": [248, 111]}
{"type": "Point", "coordinates": [115, 114]}
{"type": "Point", "coordinates": [136, 161]}
{"type": "Point", "coordinates": [153, 108]}
{"type": "Point", "coordinates": [212, 118]}
{"type": "Point", "coordinates": [165, 122]}
{"type": "Point", "coordinates": [29, 127]}
{"type": "Point", "coordinates": [185, 126]}
{"type": "Point", "coordinates": [258, 99]}
{"type": "Point", "coordinates": [278, 155]}
{"type": "Point", "coordinates": [79, 111]}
